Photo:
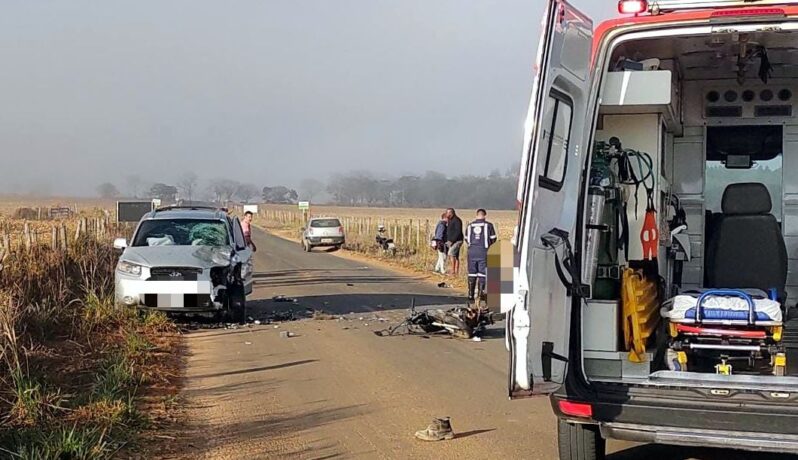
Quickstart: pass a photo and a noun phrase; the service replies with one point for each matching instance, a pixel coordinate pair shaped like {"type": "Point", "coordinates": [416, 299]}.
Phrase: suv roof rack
{"type": "Point", "coordinates": [663, 6]}
{"type": "Point", "coordinates": [173, 207]}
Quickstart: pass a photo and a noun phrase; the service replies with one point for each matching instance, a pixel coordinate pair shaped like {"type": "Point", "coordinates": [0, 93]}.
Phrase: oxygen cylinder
{"type": "Point", "coordinates": [595, 215]}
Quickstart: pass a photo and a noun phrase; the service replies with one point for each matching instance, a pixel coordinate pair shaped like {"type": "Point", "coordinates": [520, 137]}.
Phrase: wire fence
{"type": "Point", "coordinates": [59, 234]}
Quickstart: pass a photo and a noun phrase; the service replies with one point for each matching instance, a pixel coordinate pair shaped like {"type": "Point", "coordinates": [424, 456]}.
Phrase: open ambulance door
{"type": "Point", "coordinates": [546, 274]}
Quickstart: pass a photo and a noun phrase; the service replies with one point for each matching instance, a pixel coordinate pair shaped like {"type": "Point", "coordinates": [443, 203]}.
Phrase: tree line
{"type": "Point", "coordinates": [495, 190]}
{"type": "Point", "coordinates": [432, 189]}
{"type": "Point", "coordinates": [188, 187]}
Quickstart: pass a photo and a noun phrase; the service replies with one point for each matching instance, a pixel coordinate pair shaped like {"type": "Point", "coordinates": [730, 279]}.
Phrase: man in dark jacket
{"type": "Point", "coordinates": [454, 239]}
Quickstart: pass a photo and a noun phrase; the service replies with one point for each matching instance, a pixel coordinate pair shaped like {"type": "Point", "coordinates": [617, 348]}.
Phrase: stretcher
{"type": "Point", "coordinates": [720, 326]}
{"type": "Point", "coordinates": [724, 306]}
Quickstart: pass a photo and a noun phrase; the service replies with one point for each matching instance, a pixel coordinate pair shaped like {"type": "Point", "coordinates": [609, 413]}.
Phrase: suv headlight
{"type": "Point", "coordinates": [128, 268]}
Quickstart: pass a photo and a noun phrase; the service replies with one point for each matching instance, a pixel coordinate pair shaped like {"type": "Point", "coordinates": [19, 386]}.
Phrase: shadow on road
{"type": "Point", "coordinates": [467, 434]}
{"type": "Point", "coordinates": [256, 369]}
{"type": "Point", "coordinates": [282, 282]}
{"type": "Point", "coordinates": [662, 452]}
{"type": "Point", "coordinates": [283, 429]}
{"type": "Point", "coordinates": [341, 304]}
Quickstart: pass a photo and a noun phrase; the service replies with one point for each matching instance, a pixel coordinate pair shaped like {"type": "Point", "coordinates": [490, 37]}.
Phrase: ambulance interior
{"type": "Point", "coordinates": [690, 231]}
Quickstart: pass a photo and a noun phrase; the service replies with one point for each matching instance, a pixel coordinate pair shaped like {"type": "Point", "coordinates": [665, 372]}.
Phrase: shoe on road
{"type": "Point", "coordinates": [440, 429]}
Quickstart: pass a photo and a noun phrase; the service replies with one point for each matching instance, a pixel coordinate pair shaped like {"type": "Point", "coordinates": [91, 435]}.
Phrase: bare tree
{"type": "Point", "coordinates": [223, 190]}
{"type": "Point", "coordinates": [133, 185]}
{"type": "Point", "coordinates": [310, 188]}
{"type": "Point", "coordinates": [246, 192]}
{"type": "Point", "coordinates": [187, 185]}
{"type": "Point", "coordinates": [107, 190]}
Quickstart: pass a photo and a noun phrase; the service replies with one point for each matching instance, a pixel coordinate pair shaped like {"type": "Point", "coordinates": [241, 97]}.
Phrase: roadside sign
{"type": "Point", "coordinates": [304, 205]}
{"type": "Point", "coordinates": [61, 212]}
{"type": "Point", "coordinates": [253, 208]}
{"type": "Point", "coordinates": [132, 211]}
{"type": "Point", "coordinates": [156, 202]}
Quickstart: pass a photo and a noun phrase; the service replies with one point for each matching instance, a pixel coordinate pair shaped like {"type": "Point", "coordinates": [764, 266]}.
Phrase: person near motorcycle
{"type": "Point", "coordinates": [480, 235]}
{"type": "Point", "coordinates": [454, 239]}
{"type": "Point", "coordinates": [439, 244]}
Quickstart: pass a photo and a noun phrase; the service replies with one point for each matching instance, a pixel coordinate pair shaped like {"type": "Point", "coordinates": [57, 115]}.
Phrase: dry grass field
{"type": "Point", "coordinates": [504, 220]}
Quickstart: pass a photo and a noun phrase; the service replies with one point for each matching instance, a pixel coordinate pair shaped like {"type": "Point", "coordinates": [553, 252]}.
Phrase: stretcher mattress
{"type": "Point", "coordinates": [722, 309]}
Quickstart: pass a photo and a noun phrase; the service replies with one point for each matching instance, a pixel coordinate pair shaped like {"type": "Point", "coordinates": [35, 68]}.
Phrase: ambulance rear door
{"type": "Point", "coordinates": [556, 134]}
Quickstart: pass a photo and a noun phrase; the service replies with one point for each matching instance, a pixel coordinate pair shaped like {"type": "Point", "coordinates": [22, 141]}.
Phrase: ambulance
{"type": "Point", "coordinates": [655, 276]}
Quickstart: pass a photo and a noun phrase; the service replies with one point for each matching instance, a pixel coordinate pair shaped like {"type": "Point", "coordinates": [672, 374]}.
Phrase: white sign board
{"type": "Point", "coordinates": [156, 202]}
{"type": "Point", "coordinates": [304, 204]}
{"type": "Point", "coordinates": [253, 208]}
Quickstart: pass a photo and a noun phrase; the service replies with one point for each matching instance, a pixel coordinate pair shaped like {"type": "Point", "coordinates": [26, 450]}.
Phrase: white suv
{"type": "Point", "coordinates": [186, 260]}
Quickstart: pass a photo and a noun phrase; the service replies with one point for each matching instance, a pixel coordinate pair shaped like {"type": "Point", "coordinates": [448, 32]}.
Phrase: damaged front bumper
{"type": "Point", "coordinates": [177, 296]}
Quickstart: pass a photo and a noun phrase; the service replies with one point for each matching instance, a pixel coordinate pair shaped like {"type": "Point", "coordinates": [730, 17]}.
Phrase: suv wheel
{"type": "Point", "coordinates": [236, 303]}
{"type": "Point", "coordinates": [580, 442]}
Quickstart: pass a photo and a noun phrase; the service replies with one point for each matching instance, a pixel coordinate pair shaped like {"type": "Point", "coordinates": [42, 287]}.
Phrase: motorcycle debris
{"type": "Point", "coordinates": [282, 298]}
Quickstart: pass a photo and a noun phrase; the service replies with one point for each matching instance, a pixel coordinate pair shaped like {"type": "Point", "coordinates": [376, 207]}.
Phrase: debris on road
{"type": "Point", "coordinates": [443, 285]}
{"type": "Point", "coordinates": [286, 334]}
{"type": "Point", "coordinates": [439, 430]}
{"type": "Point", "coordinates": [349, 284]}
{"type": "Point", "coordinates": [247, 343]}
{"type": "Point", "coordinates": [459, 321]}
{"type": "Point", "coordinates": [322, 315]}
{"type": "Point", "coordinates": [476, 338]}
{"type": "Point", "coordinates": [282, 298]}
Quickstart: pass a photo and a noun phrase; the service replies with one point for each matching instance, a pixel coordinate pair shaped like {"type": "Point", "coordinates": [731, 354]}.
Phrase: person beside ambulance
{"type": "Point", "coordinates": [479, 237]}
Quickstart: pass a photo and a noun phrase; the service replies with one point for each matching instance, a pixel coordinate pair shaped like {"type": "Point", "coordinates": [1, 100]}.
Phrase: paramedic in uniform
{"type": "Point", "coordinates": [479, 236]}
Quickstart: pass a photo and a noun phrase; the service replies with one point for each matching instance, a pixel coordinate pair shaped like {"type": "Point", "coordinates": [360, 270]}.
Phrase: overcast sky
{"type": "Point", "coordinates": [265, 91]}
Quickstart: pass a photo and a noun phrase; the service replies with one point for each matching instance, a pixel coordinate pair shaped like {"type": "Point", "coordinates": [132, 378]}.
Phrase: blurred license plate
{"type": "Point", "coordinates": [326, 240]}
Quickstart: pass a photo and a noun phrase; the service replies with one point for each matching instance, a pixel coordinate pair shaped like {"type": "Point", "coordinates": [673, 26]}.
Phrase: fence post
{"type": "Point", "coordinates": [63, 238]}
{"type": "Point", "coordinates": [26, 237]}
{"type": "Point", "coordinates": [418, 234]}
{"type": "Point", "coordinates": [54, 238]}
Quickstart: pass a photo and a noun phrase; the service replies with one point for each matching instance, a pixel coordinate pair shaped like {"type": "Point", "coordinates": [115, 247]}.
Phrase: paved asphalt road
{"type": "Point", "coordinates": [336, 390]}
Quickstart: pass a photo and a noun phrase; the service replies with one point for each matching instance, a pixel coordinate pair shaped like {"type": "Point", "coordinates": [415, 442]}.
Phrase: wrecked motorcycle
{"type": "Point", "coordinates": [384, 241]}
{"type": "Point", "coordinates": [461, 322]}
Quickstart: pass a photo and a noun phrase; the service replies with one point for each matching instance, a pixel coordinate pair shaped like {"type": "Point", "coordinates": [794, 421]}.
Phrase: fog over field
{"type": "Point", "coordinates": [262, 92]}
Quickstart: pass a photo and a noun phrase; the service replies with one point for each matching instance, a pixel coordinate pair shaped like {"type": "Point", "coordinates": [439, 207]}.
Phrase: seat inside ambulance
{"type": "Point", "coordinates": [708, 120]}
{"type": "Point", "coordinates": [746, 248]}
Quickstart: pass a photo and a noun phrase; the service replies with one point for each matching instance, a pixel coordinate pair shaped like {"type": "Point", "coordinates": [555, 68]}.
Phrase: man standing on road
{"type": "Point", "coordinates": [246, 227]}
{"type": "Point", "coordinates": [454, 239]}
{"type": "Point", "coordinates": [480, 235]}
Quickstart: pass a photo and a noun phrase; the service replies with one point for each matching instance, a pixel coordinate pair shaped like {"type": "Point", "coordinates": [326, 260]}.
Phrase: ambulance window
{"type": "Point", "coordinates": [556, 134]}
{"type": "Point", "coordinates": [737, 154]}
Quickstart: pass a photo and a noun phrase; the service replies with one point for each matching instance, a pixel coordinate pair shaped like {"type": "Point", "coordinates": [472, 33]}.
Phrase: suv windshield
{"type": "Point", "coordinates": [325, 223]}
{"type": "Point", "coordinates": [182, 232]}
